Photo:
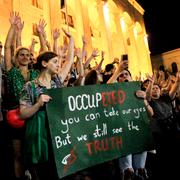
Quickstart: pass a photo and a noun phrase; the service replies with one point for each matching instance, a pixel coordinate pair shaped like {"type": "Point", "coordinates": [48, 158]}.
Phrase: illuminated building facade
{"type": "Point", "coordinates": [166, 59]}
{"type": "Point", "coordinates": [115, 26]}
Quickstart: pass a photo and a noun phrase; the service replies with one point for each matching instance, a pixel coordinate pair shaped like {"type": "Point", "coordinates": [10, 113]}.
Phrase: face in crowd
{"type": "Point", "coordinates": [22, 57]}
{"type": "Point", "coordinates": [32, 59]}
{"type": "Point", "coordinates": [124, 76]}
{"type": "Point", "coordinates": [52, 65]}
{"type": "Point", "coordinates": [49, 62]}
{"type": "Point", "coordinates": [156, 92]}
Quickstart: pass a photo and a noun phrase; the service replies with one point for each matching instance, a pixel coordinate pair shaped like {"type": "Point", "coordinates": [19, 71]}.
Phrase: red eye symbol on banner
{"type": "Point", "coordinates": [69, 159]}
{"type": "Point", "coordinates": [64, 161]}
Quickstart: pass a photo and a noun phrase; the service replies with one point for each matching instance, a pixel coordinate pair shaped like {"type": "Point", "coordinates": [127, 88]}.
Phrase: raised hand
{"type": "Point", "coordinates": [20, 25]}
{"type": "Point", "coordinates": [123, 65]}
{"type": "Point", "coordinates": [41, 26]}
{"type": "Point", "coordinates": [56, 33]}
{"type": "Point", "coordinates": [95, 52]}
{"type": "Point", "coordinates": [14, 18]}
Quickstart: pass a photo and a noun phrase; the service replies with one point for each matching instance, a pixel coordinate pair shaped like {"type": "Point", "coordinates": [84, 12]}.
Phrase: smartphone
{"type": "Point", "coordinates": [124, 57]}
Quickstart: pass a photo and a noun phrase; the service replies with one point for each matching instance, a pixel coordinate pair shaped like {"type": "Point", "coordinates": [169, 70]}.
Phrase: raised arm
{"type": "Point", "coordinates": [41, 33]}
{"type": "Point", "coordinates": [14, 19]}
{"type": "Point", "coordinates": [48, 45]}
{"type": "Point", "coordinates": [79, 64]}
{"type": "Point", "coordinates": [161, 78]}
{"type": "Point", "coordinates": [19, 28]}
{"type": "Point", "coordinates": [175, 86]}
{"type": "Point", "coordinates": [84, 47]}
{"type": "Point", "coordinates": [32, 46]}
{"type": "Point", "coordinates": [69, 59]}
{"type": "Point", "coordinates": [80, 68]}
{"type": "Point", "coordinates": [99, 66]}
{"type": "Point", "coordinates": [121, 66]}
{"type": "Point", "coordinates": [93, 55]}
{"type": "Point", "coordinates": [142, 94]}
{"type": "Point", "coordinates": [56, 35]}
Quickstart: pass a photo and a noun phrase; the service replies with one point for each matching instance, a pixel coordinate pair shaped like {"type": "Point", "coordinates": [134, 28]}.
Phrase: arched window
{"type": "Point", "coordinates": [37, 3]}
{"type": "Point", "coordinates": [69, 19]}
{"type": "Point", "coordinates": [62, 3]}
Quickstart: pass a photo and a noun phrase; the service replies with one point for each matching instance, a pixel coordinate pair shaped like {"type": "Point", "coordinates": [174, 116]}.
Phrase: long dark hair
{"type": "Point", "coordinates": [174, 68]}
{"type": "Point", "coordinates": [45, 56]}
{"type": "Point", "coordinates": [91, 78]}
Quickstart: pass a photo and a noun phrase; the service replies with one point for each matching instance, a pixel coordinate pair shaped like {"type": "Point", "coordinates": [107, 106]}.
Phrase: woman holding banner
{"type": "Point", "coordinates": [37, 149]}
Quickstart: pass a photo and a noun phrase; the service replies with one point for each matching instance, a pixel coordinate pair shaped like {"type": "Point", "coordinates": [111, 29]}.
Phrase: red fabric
{"type": "Point", "coordinates": [13, 118]}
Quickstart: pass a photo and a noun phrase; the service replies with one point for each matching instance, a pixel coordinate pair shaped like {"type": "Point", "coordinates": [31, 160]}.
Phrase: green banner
{"type": "Point", "coordinates": [96, 123]}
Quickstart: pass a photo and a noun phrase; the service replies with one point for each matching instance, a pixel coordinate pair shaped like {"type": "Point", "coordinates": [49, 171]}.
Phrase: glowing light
{"type": "Point", "coordinates": [106, 12]}
{"type": "Point", "coordinates": [146, 41]}
{"type": "Point", "coordinates": [123, 26]}
{"type": "Point", "coordinates": [135, 32]}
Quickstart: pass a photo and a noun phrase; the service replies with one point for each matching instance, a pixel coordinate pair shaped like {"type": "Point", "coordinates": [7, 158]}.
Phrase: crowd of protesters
{"type": "Point", "coordinates": [24, 80]}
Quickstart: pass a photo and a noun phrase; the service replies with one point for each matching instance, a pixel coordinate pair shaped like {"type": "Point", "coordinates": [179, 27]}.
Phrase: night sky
{"type": "Point", "coordinates": [162, 22]}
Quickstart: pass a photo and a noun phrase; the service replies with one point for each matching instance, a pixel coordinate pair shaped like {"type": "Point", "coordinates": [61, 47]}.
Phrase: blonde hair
{"type": "Point", "coordinates": [16, 53]}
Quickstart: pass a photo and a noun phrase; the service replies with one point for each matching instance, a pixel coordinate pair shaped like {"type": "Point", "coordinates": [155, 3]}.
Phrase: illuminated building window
{"type": "Point", "coordinates": [37, 4]}
{"type": "Point", "coordinates": [69, 19]}
{"type": "Point", "coordinates": [128, 41]}
{"type": "Point", "coordinates": [62, 4]}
